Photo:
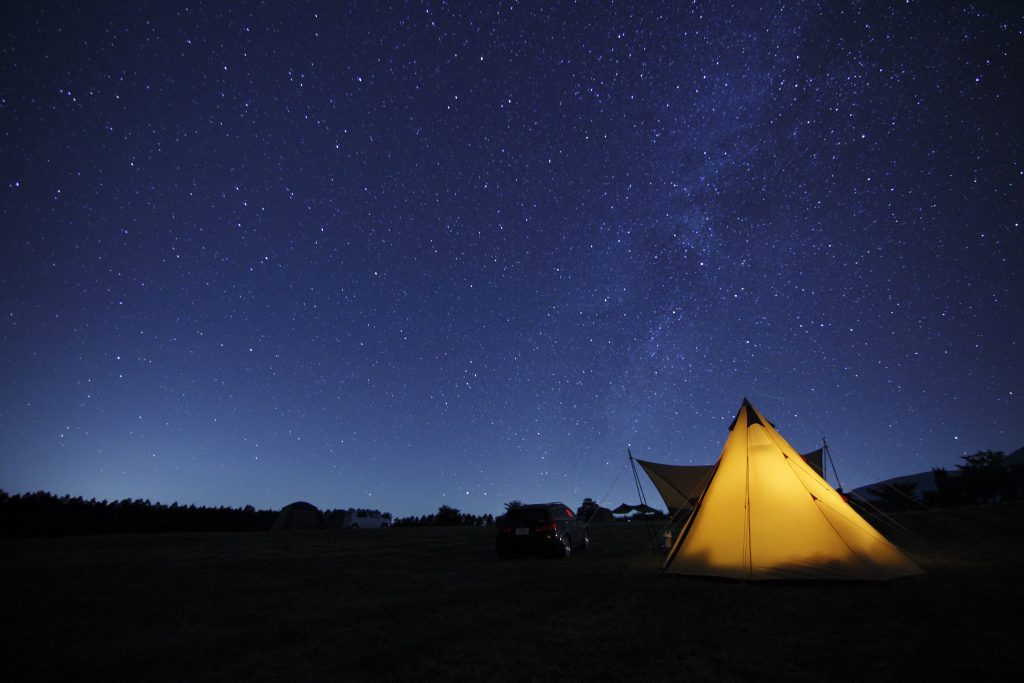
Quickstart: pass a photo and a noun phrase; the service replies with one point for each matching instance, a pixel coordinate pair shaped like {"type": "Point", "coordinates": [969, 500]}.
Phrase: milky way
{"type": "Point", "coordinates": [468, 252]}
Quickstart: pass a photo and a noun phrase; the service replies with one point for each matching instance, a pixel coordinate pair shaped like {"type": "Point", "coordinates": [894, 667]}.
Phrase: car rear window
{"type": "Point", "coordinates": [526, 516]}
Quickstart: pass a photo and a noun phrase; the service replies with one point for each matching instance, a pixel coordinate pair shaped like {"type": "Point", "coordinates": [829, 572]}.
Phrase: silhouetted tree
{"type": "Point", "coordinates": [513, 504]}
{"type": "Point", "coordinates": [447, 516]}
{"type": "Point", "coordinates": [985, 478]}
{"type": "Point", "coordinates": [948, 491]}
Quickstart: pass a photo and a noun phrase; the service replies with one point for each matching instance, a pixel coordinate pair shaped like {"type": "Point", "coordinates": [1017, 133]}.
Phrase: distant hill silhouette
{"type": "Point", "coordinates": [923, 482]}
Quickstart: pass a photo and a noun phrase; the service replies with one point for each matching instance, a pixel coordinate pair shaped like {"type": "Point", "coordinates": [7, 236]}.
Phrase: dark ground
{"type": "Point", "coordinates": [436, 604]}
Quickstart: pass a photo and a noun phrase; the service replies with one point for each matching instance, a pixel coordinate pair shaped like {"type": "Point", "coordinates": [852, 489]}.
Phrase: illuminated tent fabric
{"type": "Point", "coordinates": [678, 485]}
{"type": "Point", "coordinates": [767, 515]}
{"type": "Point", "coordinates": [681, 485]}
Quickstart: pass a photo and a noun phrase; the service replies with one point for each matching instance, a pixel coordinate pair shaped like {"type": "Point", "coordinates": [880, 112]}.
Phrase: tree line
{"type": "Point", "coordinates": [446, 516]}
{"type": "Point", "coordinates": [44, 514]}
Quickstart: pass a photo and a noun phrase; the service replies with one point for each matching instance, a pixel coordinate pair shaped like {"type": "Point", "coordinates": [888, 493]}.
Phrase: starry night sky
{"type": "Point", "coordinates": [463, 253]}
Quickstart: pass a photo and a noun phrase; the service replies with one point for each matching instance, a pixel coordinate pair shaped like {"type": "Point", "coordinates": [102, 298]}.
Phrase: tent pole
{"type": "Point", "coordinates": [643, 498]}
{"type": "Point", "coordinates": [636, 478]}
{"type": "Point", "coordinates": [828, 454]}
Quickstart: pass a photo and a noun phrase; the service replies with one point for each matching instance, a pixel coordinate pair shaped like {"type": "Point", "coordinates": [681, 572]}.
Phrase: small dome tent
{"type": "Point", "coordinates": [298, 515]}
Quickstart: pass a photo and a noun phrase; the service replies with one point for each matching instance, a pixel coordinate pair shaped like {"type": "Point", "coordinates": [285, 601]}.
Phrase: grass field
{"type": "Point", "coordinates": [436, 604]}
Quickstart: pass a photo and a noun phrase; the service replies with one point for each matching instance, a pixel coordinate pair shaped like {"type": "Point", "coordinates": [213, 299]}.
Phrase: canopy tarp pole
{"type": "Point", "coordinates": [643, 499]}
{"type": "Point", "coordinates": [828, 456]}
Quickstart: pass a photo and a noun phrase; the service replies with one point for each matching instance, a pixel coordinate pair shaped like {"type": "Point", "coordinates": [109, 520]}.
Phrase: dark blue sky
{"type": "Point", "coordinates": [460, 253]}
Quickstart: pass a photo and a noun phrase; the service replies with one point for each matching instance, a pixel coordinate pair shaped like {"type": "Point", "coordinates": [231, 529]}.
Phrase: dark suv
{"type": "Point", "coordinates": [540, 529]}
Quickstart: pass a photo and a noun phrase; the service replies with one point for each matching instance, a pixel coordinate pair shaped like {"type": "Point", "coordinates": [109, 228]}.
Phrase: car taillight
{"type": "Point", "coordinates": [505, 530]}
{"type": "Point", "coordinates": [550, 526]}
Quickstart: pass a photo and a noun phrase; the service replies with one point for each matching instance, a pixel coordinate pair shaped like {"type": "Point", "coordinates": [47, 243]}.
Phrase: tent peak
{"type": "Point", "coordinates": [749, 413]}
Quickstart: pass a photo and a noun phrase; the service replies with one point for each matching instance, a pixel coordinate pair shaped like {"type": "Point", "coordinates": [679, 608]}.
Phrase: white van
{"type": "Point", "coordinates": [366, 519]}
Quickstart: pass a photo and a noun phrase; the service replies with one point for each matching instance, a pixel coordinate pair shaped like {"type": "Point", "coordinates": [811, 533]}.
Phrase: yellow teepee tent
{"type": "Point", "coordinates": [766, 514]}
